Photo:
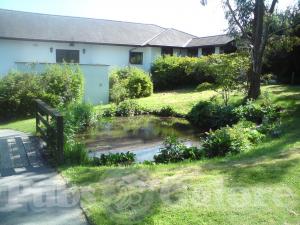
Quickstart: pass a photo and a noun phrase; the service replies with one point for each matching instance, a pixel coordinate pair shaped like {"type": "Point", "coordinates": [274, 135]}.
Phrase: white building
{"type": "Point", "coordinates": [28, 39]}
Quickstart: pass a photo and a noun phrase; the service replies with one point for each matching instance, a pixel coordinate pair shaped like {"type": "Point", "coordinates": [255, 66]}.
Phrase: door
{"type": "Point", "coordinates": [96, 84]}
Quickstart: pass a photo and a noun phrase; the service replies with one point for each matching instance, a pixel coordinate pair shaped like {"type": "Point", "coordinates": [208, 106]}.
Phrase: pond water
{"type": "Point", "coordinates": [142, 135]}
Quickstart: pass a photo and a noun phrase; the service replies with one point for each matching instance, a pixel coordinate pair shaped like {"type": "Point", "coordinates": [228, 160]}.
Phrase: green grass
{"type": "Point", "coordinates": [182, 100]}
{"type": "Point", "coordinates": [24, 125]}
{"type": "Point", "coordinates": [261, 186]}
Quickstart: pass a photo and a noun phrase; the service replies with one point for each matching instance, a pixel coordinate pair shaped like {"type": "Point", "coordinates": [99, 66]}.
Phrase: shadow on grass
{"type": "Point", "coordinates": [4, 122]}
{"type": "Point", "coordinates": [268, 162]}
{"type": "Point", "coordinates": [265, 173]}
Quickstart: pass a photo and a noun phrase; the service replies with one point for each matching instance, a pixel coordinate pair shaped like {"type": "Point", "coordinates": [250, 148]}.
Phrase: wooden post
{"type": "Point", "coordinates": [42, 109]}
{"type": "Point", "coordinates": [37, 121]}
{"type": "Point", "coordinates": [60, 138]}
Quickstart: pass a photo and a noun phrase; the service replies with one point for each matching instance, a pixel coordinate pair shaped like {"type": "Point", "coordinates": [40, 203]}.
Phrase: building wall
{"type": "Point", "coordinates": [12, 51]}
{"type": "Point", "coordinates": [33, 56]}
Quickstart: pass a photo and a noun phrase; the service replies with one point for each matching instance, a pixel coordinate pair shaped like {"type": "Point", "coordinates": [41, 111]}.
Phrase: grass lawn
{"type": "Point", "coordinates": [261, 186]}
{"type": "Point", "coordinates": [25, 125]}
{"type": "Point", "coordinates": [182, 100]}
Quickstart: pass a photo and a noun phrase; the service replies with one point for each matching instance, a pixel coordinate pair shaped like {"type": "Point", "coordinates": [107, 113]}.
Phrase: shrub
{"type": "Point", "coordinates": [166, 111]}
{"type": "Point", "coordinates": [229, 72]}
{"type": "Point", "coordinates": [250, 111]}
{"type": "Point", "coordinates": [64, 81]}
{"type": "Point", "coordinates": [110, 159]}
{"type": "Point", "coordinates": [193, 153]}
{"type": "Point", "coordinates": [268, 79]}
{"type": "Point", "coordinates": [139, 84]}
{"type": "Point", "coordinates": [59, 85]}
{"type": "Point", "coordinates": [110, 111]}
{"type": "Point", "coordinates": [118, 92]}
{"type": "Point", "coordinates": [77, 117]}
{"type": "Point", "coordinates": [171, 72]}
{"type": "Point", "coordinates": [17, 92]}
{"type": "Point", "coordinates": [80, 116]}
{"type": "Point", "coordinates": [129, 108]}
{"type": "Point", "coordinates": [257, 113]}
{"type": "Point", "coordinates": [211, 115]}
{"type": "Point", "coordinates": [129, 82]}
{"type": "Point", "coordinates": [171, 152]}
{"type": "Point", "coordinates": [175, 151]}
{"type": "Point", "coordinates": [205, 86]}
{"type": "Point", "coordinates": [270, 128]}
{"type": "Point", "coordinates": [230, 140]}
{"type": "Point", "coordinates": [75, 154]}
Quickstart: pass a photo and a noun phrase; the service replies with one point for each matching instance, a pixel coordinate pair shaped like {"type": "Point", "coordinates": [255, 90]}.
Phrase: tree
{"type": "Point", "coordinates": [251, 19]}
{"type": "Point", "coordinates": [229, 72]}
{"type": "Point", "coordinates": [283, 49]}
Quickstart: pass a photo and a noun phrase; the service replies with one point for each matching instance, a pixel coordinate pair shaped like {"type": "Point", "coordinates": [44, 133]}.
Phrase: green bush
{"type": "Point", "coordinates": [118, 92]}
{"type": "Point", "coordinates": [211, 115]}
{"type": "Point", "coordinates": [111, 159]}
{"type": "Point", "coordinates": [193, 153]}
{"type": "Point", "coordinates": [129, 108]}
{"type": "Point", "coordinates": [75, 154]}
{"type": "Point", "coordinates": [175, 151]}
{"type": "Point", "coordinates": [270, 128]}
{"type": "Point", "coordinates": [77, 118]}
{"type": "Point", "coordinates": [59, 85]}
{"type": "Point", "coordinates": [258, 113]}
{"type": "Point", "coordinates": [230, 140]}
{"type": "Point", "coordinates": [205, 86]}
{"type": "Point", "coordinates": [64, 81]}
{"type": "Point", "coordinates": [17, 92]}
{"type": "Point", "coordinates": [166, 111]}
{"type": "Point", "coordinates": [80, 116]}
{"type": "Point", "coordinates": [171, 72]}
{"type": "Point", "coordinates": [229, 72]}
{"type": "Point", "coordinates": [139, 84]}
{"type": "Point", "coordinates": [129, 82]}
{"type": "Point", "coordinates": [250, 111]}
{"type": "Point", "coordinates": [110, 111]}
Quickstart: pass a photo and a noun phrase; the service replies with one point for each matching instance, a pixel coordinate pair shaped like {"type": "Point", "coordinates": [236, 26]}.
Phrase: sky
{"type": "Point", "coordinates": [186, 15]}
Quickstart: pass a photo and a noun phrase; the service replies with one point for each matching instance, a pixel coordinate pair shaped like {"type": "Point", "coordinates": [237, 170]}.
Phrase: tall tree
{"type": "Point", "coordinates": [252, 20]}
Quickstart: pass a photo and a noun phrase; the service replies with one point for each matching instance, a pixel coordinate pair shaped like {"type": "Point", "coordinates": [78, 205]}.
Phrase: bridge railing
{"type": "Point", "coordinates": [50, 127]}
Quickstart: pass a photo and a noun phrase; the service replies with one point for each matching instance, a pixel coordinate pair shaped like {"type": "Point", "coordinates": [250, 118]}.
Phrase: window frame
{"type": "Point", "coordinates": [131, 55]}
{"type": "Point", "coordinates": [205, 51]}
{"type": "Point", "coordinates": [68, 53]}
{"type": "Point", "coordinates": [192, 52]}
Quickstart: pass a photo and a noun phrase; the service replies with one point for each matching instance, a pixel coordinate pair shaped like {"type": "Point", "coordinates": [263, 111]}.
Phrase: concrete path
{"type": "Point", "coordinates": [32, 193]}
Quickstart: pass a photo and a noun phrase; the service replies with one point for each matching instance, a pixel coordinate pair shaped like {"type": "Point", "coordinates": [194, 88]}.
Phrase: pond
{"type": "Point", "coordinates": [142, 135]}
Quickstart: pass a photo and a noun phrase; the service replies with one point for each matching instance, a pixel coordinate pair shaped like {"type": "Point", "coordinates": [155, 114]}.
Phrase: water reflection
{"type": "Point", "coordinates": [141, 134]}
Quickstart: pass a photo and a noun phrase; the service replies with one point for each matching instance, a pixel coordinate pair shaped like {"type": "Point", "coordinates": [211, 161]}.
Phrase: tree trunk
{"type": "Point", "coordinates": [254, 87]}
{"type": "Point", "coordinates": [259, 41]}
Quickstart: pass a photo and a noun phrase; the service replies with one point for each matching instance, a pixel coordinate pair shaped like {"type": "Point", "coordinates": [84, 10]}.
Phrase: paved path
{"type": "Point", "coordinates": [32, 193]}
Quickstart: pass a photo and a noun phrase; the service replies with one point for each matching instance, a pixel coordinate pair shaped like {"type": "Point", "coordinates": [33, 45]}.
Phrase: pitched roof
{"type": "Point", "coordinates": [211, 40]}
{"type": "Point", "coordinates": [44, 27]}
{"type": "Point", "coordinates": [171, 37]}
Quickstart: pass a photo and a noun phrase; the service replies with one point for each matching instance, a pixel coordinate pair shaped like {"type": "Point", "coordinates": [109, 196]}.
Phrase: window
{"type": "Point", "coordinates": [166, 51]}
{"type": "Point", "coordinates": [208, 50]}
{"type": "Point", "coordinates": [68, 56]}
{"type": "Point", "coordinates": [136, 58]}
{"type": "Point", "coordinates": [192, 52]}
{"type": "Point", "coordinates": [221, 50]}
{"type": "Point", "coordinates": [229, 48]}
